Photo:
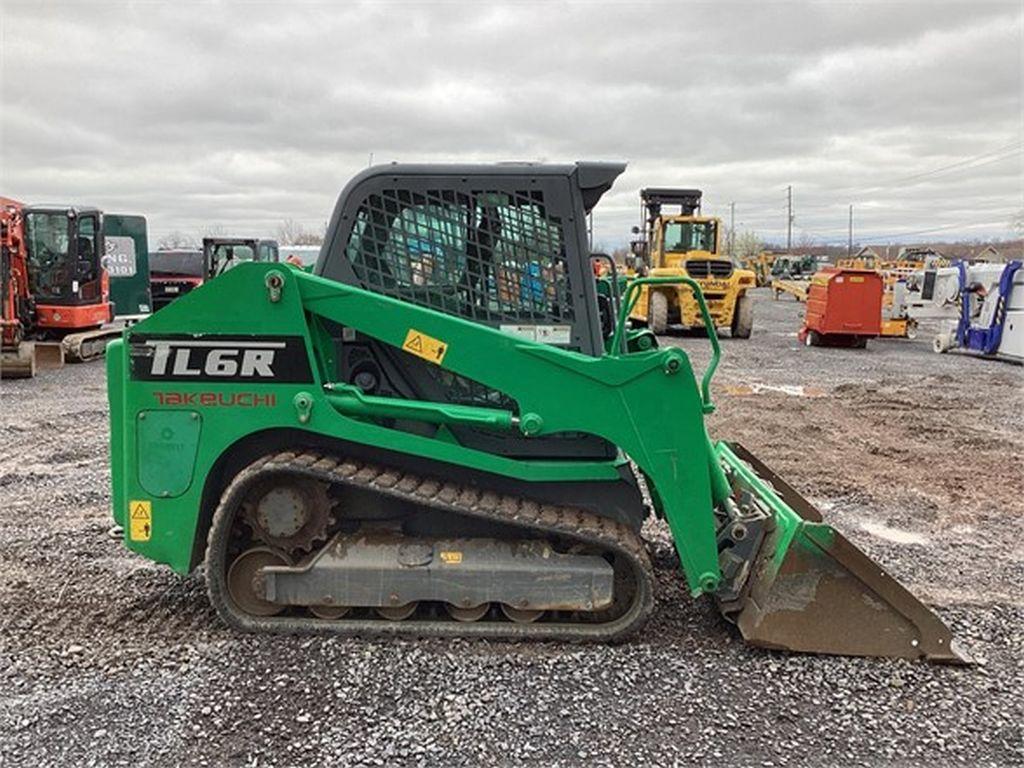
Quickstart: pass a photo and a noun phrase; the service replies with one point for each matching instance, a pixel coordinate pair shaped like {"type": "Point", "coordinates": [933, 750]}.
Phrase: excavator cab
{"type": "Point", "coordinates": [66, 277]}
{"type": "Point", "coordinates": [66, 272]}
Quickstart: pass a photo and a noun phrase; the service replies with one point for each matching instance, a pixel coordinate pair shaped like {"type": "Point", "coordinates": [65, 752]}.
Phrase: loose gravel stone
{"type": "Point", "coordinates": [107, 659]}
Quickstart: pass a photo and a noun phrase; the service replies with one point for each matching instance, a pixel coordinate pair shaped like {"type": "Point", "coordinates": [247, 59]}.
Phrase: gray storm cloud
{"type": "Point", "coordinates": [242, 115]}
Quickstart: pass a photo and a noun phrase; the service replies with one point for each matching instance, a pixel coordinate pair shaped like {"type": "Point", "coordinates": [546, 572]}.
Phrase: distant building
{"type": "Point", "coordinates": [866, 253]}
{"type": "Point", "coordinates": [990, 254]}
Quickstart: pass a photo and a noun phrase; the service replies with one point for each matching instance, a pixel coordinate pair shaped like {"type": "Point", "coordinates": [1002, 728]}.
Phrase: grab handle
{"type": "Point", "coordinates": [629, 300]}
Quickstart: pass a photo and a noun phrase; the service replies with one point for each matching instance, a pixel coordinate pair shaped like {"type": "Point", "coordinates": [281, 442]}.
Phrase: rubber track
{"type": "Point", "coordinates": [88, 345]}
{"type": "Point", "coordinates": [453, 497]}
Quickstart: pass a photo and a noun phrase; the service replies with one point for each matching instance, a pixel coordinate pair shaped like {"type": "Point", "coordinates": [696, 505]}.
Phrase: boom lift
{"type": "Point", "coordinates": [980, 306]}
{"type": "Point", "coordinates": [440, 432]}
{"type": "Point", "coordinates": [688, 244]}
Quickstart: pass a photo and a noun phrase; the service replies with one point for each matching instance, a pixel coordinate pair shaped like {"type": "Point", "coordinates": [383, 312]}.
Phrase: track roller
{"type": "Point", "coordinates": [520, 615]}
{"type": "Point", "coordinates": [397, 612]}
{"type": "Point", "coordinates": [467, 614]}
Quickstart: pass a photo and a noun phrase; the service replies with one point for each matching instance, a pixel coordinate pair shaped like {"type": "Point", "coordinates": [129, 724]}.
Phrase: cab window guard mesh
{"type": "Point", "coordinates": [492, 256]}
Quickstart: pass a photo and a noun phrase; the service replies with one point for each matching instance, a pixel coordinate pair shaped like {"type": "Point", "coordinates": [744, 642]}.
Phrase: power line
{"type": "Point", "coordinates": [1017, 149]}
{"type": "Point", "coordinates": [839, 239]}
{"type": "Point", "coordinates": [934, 229]}
{"type": "Point", "coordinates": [991, 156]}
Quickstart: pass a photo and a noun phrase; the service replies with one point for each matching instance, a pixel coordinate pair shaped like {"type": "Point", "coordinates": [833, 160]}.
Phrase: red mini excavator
{"type": "Point", "coordinates": [54, 290]}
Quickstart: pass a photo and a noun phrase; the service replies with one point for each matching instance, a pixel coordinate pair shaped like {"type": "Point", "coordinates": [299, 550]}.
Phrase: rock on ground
{"type": "Point", "coordinates": [106, 659]}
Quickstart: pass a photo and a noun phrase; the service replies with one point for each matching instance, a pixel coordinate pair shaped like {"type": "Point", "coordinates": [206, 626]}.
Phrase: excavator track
{"type": "Point", "coordinates": [88, 345]}
{"type": "Point", "coordinates": [563, 522]}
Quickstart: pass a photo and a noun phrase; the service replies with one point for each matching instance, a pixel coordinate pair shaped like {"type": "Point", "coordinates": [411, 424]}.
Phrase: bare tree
{"type": "Point", "coordinates": [177, 240]}
{"type": "Point", "coordinates": [291, 232]}
{"type": "Point", "coordinates": [747, 245]}
{"type": "Point", "coordinates": [806, 243]}
{"type": "Point", "coordinates": [213, 230]}
{"type": "Point", "coordinates": [288, 231]}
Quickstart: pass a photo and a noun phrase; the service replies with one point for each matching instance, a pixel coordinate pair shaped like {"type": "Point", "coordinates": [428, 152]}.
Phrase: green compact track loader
{"type": "Point", "coordinates": [446, 430]}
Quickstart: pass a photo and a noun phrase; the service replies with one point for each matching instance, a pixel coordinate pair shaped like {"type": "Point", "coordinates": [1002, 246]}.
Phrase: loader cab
{"type": "Point", "coordinates": [685, 236]}
{"type": "Point", "coordinates": [675, 236]}
{"type": "Point", "coordinates": [789, 266]}
{"type": "Point", "coordinates": [221, 253]}
{"type": "Point", "coordinates": [499, 245]}
{"type": "Point", "coordinates": [66, 278]}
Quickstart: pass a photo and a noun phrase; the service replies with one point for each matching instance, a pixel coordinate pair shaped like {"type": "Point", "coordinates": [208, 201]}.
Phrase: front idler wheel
{"type": "Point", "coordinates": [245, 582]}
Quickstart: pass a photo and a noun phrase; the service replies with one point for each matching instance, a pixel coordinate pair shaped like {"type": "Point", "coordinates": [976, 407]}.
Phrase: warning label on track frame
{"type": "Point", "coordinates": [427, 347]}
{"type": "Point", "coordinates": [140, 520]}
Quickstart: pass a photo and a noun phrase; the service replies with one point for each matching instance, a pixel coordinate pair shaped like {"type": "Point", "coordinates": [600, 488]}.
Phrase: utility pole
{"type": "Point", "coordinates": [732, 230]}
{"type": "Point", "coordinates": [849, 241]}
{"type": "Point", "coordinates": [789, 219]}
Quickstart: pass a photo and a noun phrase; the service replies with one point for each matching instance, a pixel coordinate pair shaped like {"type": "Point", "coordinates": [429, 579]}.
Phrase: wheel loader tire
{"type": "Point", "coordinates": [657, 312]}
{"type": "Point", "coordinates": [743, 318]}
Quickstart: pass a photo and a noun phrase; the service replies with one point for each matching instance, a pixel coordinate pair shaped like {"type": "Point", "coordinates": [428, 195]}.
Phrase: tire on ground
{"type": "Point", "coordinates": [742, 318]}
{"type": "Point", "coordinates": [657, 312]}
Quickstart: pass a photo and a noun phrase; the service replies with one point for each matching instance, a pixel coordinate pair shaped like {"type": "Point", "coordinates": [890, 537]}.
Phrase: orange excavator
{"type": "Point", "coordinates": [54, 289]}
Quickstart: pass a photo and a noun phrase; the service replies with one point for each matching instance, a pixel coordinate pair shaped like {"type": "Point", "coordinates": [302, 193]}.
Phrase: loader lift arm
{"type": "Point", "coordinates": [661, 385]}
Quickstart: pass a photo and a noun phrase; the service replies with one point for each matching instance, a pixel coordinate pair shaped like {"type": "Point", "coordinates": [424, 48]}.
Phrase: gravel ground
{"type": "Point", "coordinates": [106, 659]}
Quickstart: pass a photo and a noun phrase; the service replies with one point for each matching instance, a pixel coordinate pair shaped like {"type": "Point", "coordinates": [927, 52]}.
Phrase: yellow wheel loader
{"type": "Point", "coordinates": [688, 245]}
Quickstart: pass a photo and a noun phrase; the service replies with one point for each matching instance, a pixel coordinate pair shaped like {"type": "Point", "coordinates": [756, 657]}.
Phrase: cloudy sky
{"type": "Point", "coordinates": [238, 115]}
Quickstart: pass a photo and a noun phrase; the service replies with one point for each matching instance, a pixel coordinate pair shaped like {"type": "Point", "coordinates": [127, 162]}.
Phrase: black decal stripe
{"type": "Point", "coordinates": [247, 357]}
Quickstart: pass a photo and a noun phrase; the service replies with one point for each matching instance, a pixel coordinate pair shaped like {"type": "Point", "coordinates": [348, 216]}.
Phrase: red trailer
{"type": "Point", "coordinates": [844, 308]}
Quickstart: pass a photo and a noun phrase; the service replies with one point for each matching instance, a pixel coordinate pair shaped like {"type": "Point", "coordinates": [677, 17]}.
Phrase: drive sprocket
{"type": "Point", "coordinates": [291, 515]}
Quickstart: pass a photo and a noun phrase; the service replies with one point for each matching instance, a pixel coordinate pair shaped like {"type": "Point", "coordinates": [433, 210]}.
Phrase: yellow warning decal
{"type": "Point", "coordinates": [140, 518]}
{"type": "Point", "coordinates": [856, 279]}
{"type": "Point", "coordinates": [451, 558]}
{"type": "Point", "coordinates": [424, 346]}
